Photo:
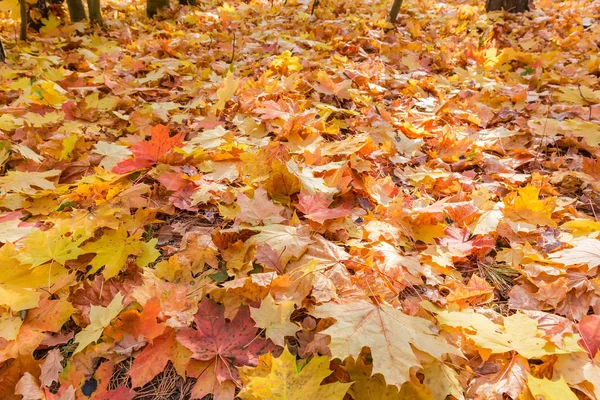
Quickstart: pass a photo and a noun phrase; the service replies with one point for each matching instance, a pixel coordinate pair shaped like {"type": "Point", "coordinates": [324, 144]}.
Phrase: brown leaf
{"type": "Point", "coordinates": [51, 367]}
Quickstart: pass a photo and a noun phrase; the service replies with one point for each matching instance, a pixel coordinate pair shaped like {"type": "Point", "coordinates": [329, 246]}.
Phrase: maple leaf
{"type": "Point", "coordinates": [316, 207]}
{"type": "Point", "coordinates": [226, 92]}
{"type": "Point", "coordinates": [137, 324]}
{"type": "Point", "coordinates": [13, 230]}
{"type": "Point", "coordinates": [548, 390]}
{"type": "Point", "coordinates": [285, 381]}
{"type": "Point", "coordinates": [580, 372]}
{"type": "Point", "coordinates": [12, 7]}
{"type": "Point", "coordinates": [509, 377]}
{"type": "Point", "coordinates": [100, 317]}
{"type": "Point", "coordinates": [287, 241]}
{"type": "Point", "coordinates": [488, 221]}
{"type": "Point", "coordinates": [149, 153]}
{"type": "Point", "coordinates": [589, 329]}
{"type": "Point", "coordinates": [9, 326]}
{"type": "Point", "coordinates": [258, 209]}
{"type": "Point", "coordinates": [275, 319]}
{"type": "Point", "coordinates": [50, 315]}
{"type": "Point", "coordinates": [51, 367]}
{"type": "Point", "coordinates": [388, 332]}
{"type": "Point", "coordinates": [281, 183]}
{"type": "Point", "coordinates": [520, 334]}
{"type": "Point", "coordinates": [268, 257]}
{"type": "Point", "coordinates": [113, 154]}
{"type": "Point", "coordinates": [231, 343]}
{"type": "Point", "coordinates": [442, 380]}
{"type": "Point", "coordinates": [208, 139]}
{"type": "Point", "coordinates": [526, 206]}
{"type": "Point", "coordinates": [319, 272]}
{"type": "Point", "coordinates": [112, 251]}
{"type": "Point", "coordinates": [121, 393]}
{"type": "Point", "coordinates": [17, 181]}
{"type": "Point", "coordinates": [207, 382]}
{"type": "Point", "coordinates": [155, 356]}
{"type": "Point", "coordinates": [366, 385]}
{"type": "Point", "coordinates": [19, 283]}
{"type": "Point", "coordinates": [586, 251]}
{"type": "Point", "coordinates": [58, 244]}
{"type": "Point", "coordinates": [29, 388]}
{"type": "Point", "coordinates": [308, 180]}
{"type": "Point", "coordinates": [148, 254]}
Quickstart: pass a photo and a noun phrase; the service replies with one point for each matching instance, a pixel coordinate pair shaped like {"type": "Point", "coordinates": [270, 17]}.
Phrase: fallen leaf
{"type": "Point", "coordinates": [232, 343]}
{"type": "Point", "coordinates": [586, 251]}
{"type": "Point", "coordinates": [389, 334]}
{"type": "Point", "coordinates": [545, 389]}
{"type": "Point", "coordinates": [286, 381]}
{"type": "Point", "coordinates": [100, 317]}
{"type": "Point", "coordinates": [51, 367]}
{"type": "Point", "coordinates": [274, 318]}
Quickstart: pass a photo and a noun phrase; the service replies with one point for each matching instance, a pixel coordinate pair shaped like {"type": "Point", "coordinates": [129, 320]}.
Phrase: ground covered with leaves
{"type": "Point", "coordinates": [241, 199]}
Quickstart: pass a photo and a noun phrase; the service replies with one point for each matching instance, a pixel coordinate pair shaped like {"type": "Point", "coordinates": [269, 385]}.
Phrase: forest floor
{"type": "Point", "coordinates": [244, 199]}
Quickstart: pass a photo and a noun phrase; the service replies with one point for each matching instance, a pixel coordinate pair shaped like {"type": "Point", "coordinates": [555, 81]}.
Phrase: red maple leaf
{"type": "Point", "coordinates": [589, 329]}
{"type": "Point", "coordinates": [146, 154]}
{"type": "Point", "coordinates": [155, 356]}
{"type": "Point", "coordinates": [232, 344]}
{"type": "Point", "coordinates": [316, 207]}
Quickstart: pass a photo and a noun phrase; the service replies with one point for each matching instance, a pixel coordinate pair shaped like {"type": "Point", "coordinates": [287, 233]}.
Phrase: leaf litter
{"type": "Point", "coordinates": [246, 199]}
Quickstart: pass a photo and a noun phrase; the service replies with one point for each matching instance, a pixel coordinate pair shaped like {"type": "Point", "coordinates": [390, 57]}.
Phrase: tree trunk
{"type": "Point", "coordinates": [95, 13]}
{"type": "Point", "coordinates": [395, 10]}
{"type": "Point", "coordinates": [152, 6]}
{"type": "Point", "coordinates": [2, 52]}
{"type": "Point", "coordinates": [76, 10]}
{"type": "Point", "coordinates": [513, 6]}
{"type": "Point", "coordinates": [23, 10]}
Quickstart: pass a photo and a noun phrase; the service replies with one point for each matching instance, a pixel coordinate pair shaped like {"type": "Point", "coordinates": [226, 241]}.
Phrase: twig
{"type": "Point", "coordinates": [589, 103]}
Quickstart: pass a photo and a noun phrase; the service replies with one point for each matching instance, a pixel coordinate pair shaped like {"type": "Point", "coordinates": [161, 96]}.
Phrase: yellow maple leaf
{"type": "Point", "coordinates": [275, 319]}
{"type": "Point", "coordinates": [68, 144]}
{"type": "Point", "coordinates": [9, 326]}
{"type": "Point", "coordinates": [581, 95]}
{"type": "Point", "coordinates": [281, 183]}
{"type": "Point", "coordinates": [579, 370]}
{"type": "Point", "coordinates": [519, 333]}
{"type": "Point", "coordinates": [113, 154]}
{"type": "Point", "coordinates": [100, 318]}
{"type": "Point", "coordinates": [12, 7]}
{"type": "Point", "coordinates": [112, 251]}
{"type": "Point", "coordinates": [526, 206]}
{"type": "Point", "coordinates": [286, 63]}
{"type": "Point", "coordinates": [582, 227]}
{"type": "Point", "coordinates": [57, 244]}
{"type": "Point", "coordinates": [389, 333]}
{"type": "Point", "coordinates": [545, 389]}
{"type": "Point", "coordinates": [19, 283]}
{"type": "Point", "coordinates": [8, 122]}
{"type": "Point", "coordinates": [442, 380]}
{"type": "Point", "coordinates": [226, 92]}
{"type": "Point", "coordinates": [284, 381]}
{"type": "Point", "coordinates": [18, 181]}
{"type": "Point", "coordinates": [48, 93]}
{"type": "Point", "coordinates": [148, 253]}
{"type": "Point", "coordinates": [107, 103]}
{"type": "Point", "coordinates": [589, 131]}
{"type": "Point", "coordinates": [366, 385]}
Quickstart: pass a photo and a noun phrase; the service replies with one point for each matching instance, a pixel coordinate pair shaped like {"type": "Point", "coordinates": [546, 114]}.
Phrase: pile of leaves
{"type": "Point", "coordinates": [243, 199]}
